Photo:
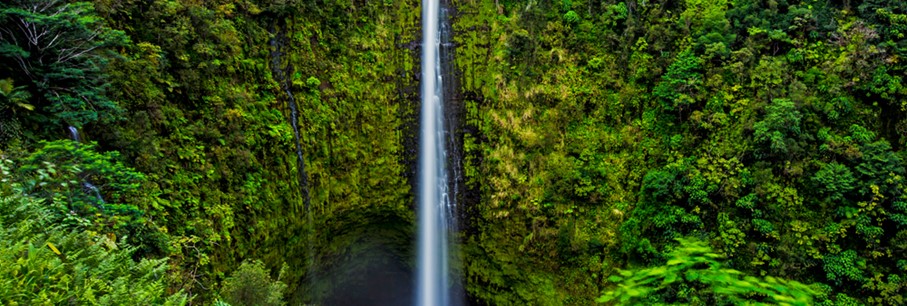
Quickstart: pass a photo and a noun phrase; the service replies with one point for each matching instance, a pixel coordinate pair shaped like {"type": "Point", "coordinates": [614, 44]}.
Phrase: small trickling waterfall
{"type": "Point", "coordinates": [89, 187]}
{"type": "Point", "coordinates": [436, 201]}
{"type": "Point", "coordinates": [281, 75]}
{"type": "Point", "coordinates": [74, 133]}
{"type": "Point", "coordinates": [97, 193]}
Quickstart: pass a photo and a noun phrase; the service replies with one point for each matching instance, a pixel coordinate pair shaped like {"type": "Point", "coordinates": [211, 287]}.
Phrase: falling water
{"type": "Point", "coordinates": [97, 194]}
{"type": "Point", "coordinates": [89, 187]}
{"type": "Point", "coordinates": [436, 204]}
{"type": "Point", "coordinates": [74, 133]}
{"type": "Point", "coordinates": [282, 76]}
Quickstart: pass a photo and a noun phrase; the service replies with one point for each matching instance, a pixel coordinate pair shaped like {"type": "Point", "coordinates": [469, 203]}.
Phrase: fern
{"type": "Point", "coordinates": [50, 264]}
{"type": "Point", "coordinates": [694, 274]}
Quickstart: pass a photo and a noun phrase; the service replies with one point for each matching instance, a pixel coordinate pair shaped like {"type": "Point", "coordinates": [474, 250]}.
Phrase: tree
{"type": "Point", "coordinates": [779, 130]}
{"type": "Point", "coordinates": [61, 49]}
{"type": "Point", "coordinates": [680, 86]}
{"type": "Point", "coordinates": [707, 24]}
{"type": "Point", "coordinates": [668, 208]}
{"type": "Point", "coordinates": [86, 190]}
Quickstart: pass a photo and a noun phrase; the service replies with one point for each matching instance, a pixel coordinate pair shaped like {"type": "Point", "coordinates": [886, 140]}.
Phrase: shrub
{"type": "Point", "coordinates": [693, 274]}
{"type": "Point", "coordinates": [251, 285]}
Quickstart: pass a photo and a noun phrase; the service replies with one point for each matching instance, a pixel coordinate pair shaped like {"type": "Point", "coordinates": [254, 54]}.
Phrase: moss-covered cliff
{"type": "Point", "coordinates": [204, 118]}
{"type": "Point", "coordinates": [598, 131]}
{"type": "Point", "coordinates": [593, 134]}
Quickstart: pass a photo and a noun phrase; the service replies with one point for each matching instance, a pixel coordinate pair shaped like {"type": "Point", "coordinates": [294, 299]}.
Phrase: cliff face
{"type": "Point", "coordinates": [207, 91]}
{"type": "Point", "coordinates": [598, 132]}
{"type": "Point", "coordinates": [591, 135]}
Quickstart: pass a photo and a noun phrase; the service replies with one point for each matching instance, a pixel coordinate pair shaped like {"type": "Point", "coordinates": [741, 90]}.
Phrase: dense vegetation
{"type": "Point", "coordinates": [701, 151]}
{"type": "Point", "coordinates": [598, 132]}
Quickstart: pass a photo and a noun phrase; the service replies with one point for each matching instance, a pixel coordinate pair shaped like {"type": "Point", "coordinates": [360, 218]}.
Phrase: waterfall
{"type": "Point", "coordinates": [74, 133]}
{"type": "Point", "coordinates": [282, 76]}
{"type": "Point", "coordinates": [436, 202]}
{"type": "Point", "coordinates": [97, 194]}
{"type": "Point", "coordinates": [89, 187]}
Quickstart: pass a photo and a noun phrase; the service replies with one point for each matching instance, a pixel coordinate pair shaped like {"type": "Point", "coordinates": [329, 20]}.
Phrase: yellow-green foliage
{"type": "Point", "coordinates": [46, 263]}
{"type": "Point", "coordinates": [695, 275]}
{"type": "Point", "coordinates": [251, 285]}
{"type": "Point", "coordinates": [209, 124]}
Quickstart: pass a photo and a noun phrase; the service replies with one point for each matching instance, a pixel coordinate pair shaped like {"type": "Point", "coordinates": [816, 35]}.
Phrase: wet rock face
{"type": "Point", "coordinates": [374, 275]}
{"type": "Point", "coordinates": [364, 257]}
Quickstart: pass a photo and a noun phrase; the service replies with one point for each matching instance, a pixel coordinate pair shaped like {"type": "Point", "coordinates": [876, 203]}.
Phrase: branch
{"type": "Point", "coordinates": [26, 29]}
{"type": "Point", "coordinates": [53, 41]}
{"type": "Point", "coordinates": [73, 54]}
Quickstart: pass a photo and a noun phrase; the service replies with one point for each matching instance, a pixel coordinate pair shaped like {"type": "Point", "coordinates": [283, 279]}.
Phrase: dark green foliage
{"type": "Point", "coordinates": [79, 180]}
{"type": "Point", "coordinates": [667, 210]}
{"type": "Point", "coordinates": [63, 166]}
{"type": "Point", "coordinates": [889, 18]}
{"type": "Point", "coordinates": [87, 190]}
{"type": "Point", "coordinates": [844, 266]}
{"type": "Point", "coordinates": [772, 128]}
{"type": "Point", "coordinates": [61, 49]}
{"type": "Point", "coordinates": [680, 87]}
{"type": "Point", "coordinates": [899, 214]}
{"type": "Point", "coordinates": [834, 181]}
{"type": "Point", "coordinates": [778, 132]}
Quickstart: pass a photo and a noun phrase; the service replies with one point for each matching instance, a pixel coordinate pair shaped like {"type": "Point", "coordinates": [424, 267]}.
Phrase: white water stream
{"type": "Point", "coordinates": [436, 205]}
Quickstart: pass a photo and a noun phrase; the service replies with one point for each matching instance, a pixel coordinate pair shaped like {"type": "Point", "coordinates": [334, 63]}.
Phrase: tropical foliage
{"type": "Point", "coordinates": [250, 285]}
{"type": "Point", "coordinates": [694, 275]}
{"type": "Point", "coordinates": [594, 135]}
{"type": "Point", "coordinates": [49, 263]}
